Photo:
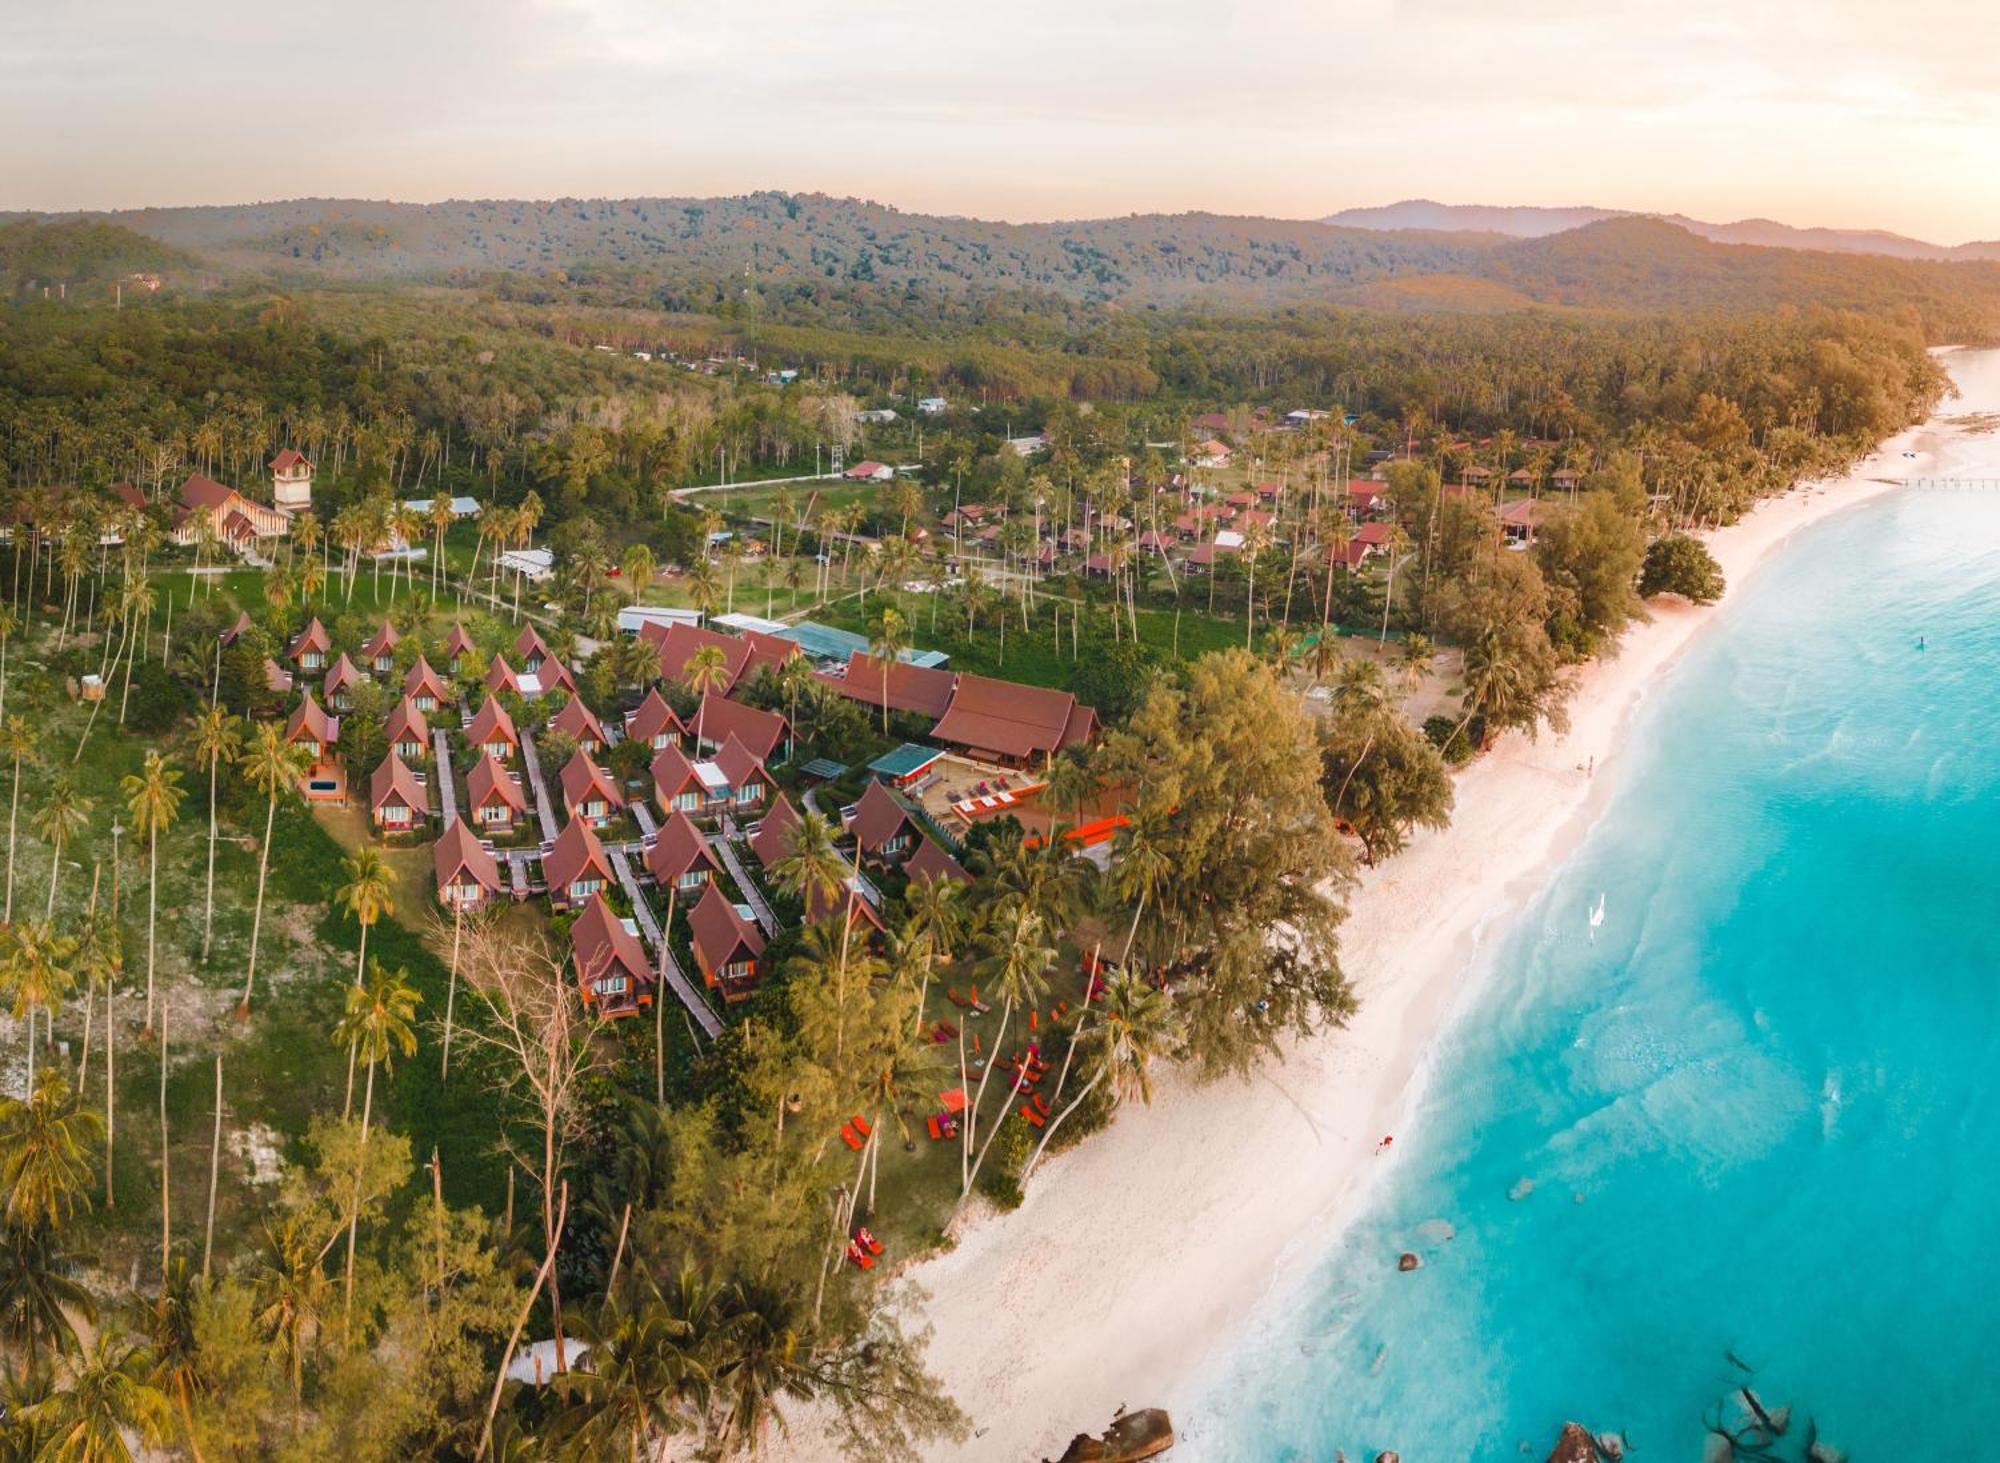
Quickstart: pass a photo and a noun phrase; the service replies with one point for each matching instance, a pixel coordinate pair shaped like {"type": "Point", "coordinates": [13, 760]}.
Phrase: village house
{"type": "Point", "coordinates": [380, 651]}
{"type": "Point", "coordinates": [530, 650]}
{"type": "Point", "coordinates": [654, 723]}
{"type": "Point", "coordinates": [680, 858]}
{"type": "Point", "coordinates": [491, 731]}
{"type": "Point", "coordinates": [424, 687]}
{"type": "Point", "coordinates": [494, 800]}
{"type": "Point", "coordinates": [883, 828]}
{"type": "Point", "coordinates": [1521, 519]}
{"type": "Point", "coordinates": [932, 861]}
{"type": "Point", "coordinates": [587, 792]}
{"type": "Point", "coordinates": [680, 640]}
{"type": "Point", "coordinates": [1211, 454]}
{"type": "Point", "coordinates": [309, 648]}
{"type": "Point", "coordinates": [580, 724]}
{"type": "Point", "coordinates": [746, 782]}
{"type": "Point", "coordinates": [577, 866]}
{"type": "Point", "coordinates": [291, 481]}
{"type": "Point", "coordinates": [869, 472]}
{"type": "Point", "coordinates": [467, 877]}
{"type": "Point", "coordinates": [340, 684]}
{"type": "Point", "coordinates": [728, 948]}
{"type": "Point", "coordinates": [456, 643]}
{"type": "Point", "coordinates": [611, 965]}
{"type": "Point", "coordinates": [315, 733]}
{"type": "Point", "coordinates": [677, 786]}
{"type": "Point", "coordinates": [397, 802]}
{"type": "Point", "coordinates": [407, 732]}
{"type": "Point", "coordinates": [500, 677]}
{"type": "Point", "coordinates": [823, 908]}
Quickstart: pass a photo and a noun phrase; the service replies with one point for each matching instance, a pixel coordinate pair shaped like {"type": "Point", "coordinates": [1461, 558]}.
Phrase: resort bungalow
{"type": "Point", "coordinates": [456, 643]}
{"type": "Point", "coordinates": [491, 733]}
{"type": "Point", "coordinates": [999, 721]}
{"type": "Point", "coordinates": [494, 800]}
{"type": "Point", "coordinates": [727, 947]}
{"type": "Point", "coordinates": [587, 792]}
{"type": "Point", "coordinates": [467, 877]}
{"type": "Point", "coordinates": [680, 858]}
{"type": "Point", "coordinates": [1522, 518]}
{"type": "Point", "coordinates": [884, 829]}
{"type": "Point", "coordinates": [748, 784]}
{"type": "Point", "coordinates": [380, 651]}
{"type": "Point", "coordinates": [859, 908]}
{"type": "Point", "coordinates": [771, 840]}
{"type": "Point", "coordinates": [718, 719]}
{"type": "Point", "coordinates": [611, 964]}
{"type": "Point", "coordinates": [408, 733]}
{"type": "Point", "coordinates": [931, 862]}
{"type": "Point", "coordinates": [308, 650]}
{"type": "Point", "coordinates": [315, 733]}
{"type": "Point", "coordinates": [340, 684]}
{"type": "Point", "coordinates": [530, 650]}
{"type": "Point", "coordinates": [397, 802]}
{"type": "Point", "coordinates": [231, 518]}
{"type": "Point", "coordinates": [580, 724]}
{"type": "Point", "coordinates": [425, 687]}
{"type": "Point", "coordinates": [654, 723]}
{"type": "Point", "coordinates": [677, 787]}
{"type": "Point", "coordinates": [576, 867]}
{"type": "Point", "coordinates": [500, 677]}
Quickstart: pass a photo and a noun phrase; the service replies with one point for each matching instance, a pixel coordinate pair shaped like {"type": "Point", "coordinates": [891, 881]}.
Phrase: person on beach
{"type": "Point", "coordinates": [1383, 1146]}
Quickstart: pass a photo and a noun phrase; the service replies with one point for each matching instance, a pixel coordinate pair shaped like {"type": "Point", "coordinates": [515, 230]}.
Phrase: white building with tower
{"type": "Point", "coordinates": [291, 482]}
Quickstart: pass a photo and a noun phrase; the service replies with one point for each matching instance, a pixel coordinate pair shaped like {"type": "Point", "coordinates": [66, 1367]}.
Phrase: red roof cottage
{"type": "Point", "coordinates": [531, 650]}
{"type": "Point", "coordinates": [494, 800]}
{"type": "Point", "coordinates": [380, 651]}
{"type": "Point", "coordinates": [931, 861]}
{"type": "Point", "coordinates": [491, 732]}
{"type": "Point", "coordinates": [456, 643]}
{"type": "Point", "coordinates": [397, 802]}
{"type": "Point", "coordinates": [727, 947]}
{"type": "Point", "coordinates": [577, 867]}
{"type": "Point", "coordinates": [315, 733]}
{"type": "Point", "coordinates": [920, 690]}
{"type": "Point", "coordinates": [340, 684]}
{"type": "Point", "coordinates": [580, 724]}
{"type": "Point", "coordinates": [611, 964]}
{"type": "Point", "coordinates": [467, 877]}
{"type": "Point", "coordinates": [308, 650]}
{"type": "Point", "coordinates": [883, 826]}
{"type": "Point", "coordinates": [718, 719]}
{"type": "Point", "coordinates": [587, 792]}
{"type": "Point", "coordinates": [677, 787]}
{"type": "Point", "coordinates": [654, 722]}
{"type": "Point", "coordinates": [772, 840]}
{"type": "Point", "coordinates": [425, 687]}
{"type": "Point", "coordinates": [748, 783]}
{"type": "Point", "coordinates": [680, 858]}
{"type": "Point", "coordinates": [408, 733]}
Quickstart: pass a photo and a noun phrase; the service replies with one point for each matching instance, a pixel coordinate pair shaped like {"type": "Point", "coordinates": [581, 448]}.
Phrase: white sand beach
{"type": "Point", "coordinates": [1139, 1251]}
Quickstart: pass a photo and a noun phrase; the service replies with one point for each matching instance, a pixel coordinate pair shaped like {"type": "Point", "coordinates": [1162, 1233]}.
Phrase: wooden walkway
{"type": "Point", "coordinates": [522, 867]}
{"type": "Point", "coordinates": [725, 847]}
{"type": "Point", "coordinates": [447, 785]}
{"type": "Point", "coordinates": [671, 976]}
{"type": "Point", "coordinates": [643, 816]}
{"type": "Point", "coordinates": [545, 811]}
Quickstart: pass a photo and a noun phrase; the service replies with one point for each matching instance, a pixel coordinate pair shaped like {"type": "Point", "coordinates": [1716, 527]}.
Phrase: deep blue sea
{"type": "Point", "coordinates": [1759, 1109]}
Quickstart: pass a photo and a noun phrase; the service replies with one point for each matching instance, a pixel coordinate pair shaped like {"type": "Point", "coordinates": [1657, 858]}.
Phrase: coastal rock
{"type": "Point", "coordinates": [1574, 1445]}
{"type": "Point", "coordinates": [1132, 1437]}
{"type": "Point", "coordinates": [1612, 1446]}
{"type": "Point", "coordinates": [1522, 1188]}
{"type": "Point", "coordinates": [1408, 1261]}
{"type": "Point", "coordinates": [1825, 1453]}
{"type": "Point", "coordinates": [1388, 1458]}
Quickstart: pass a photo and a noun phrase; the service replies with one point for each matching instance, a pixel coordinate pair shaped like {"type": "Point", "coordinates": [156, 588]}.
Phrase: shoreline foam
{"type": "Point", "coordinates": [1142, 1251]}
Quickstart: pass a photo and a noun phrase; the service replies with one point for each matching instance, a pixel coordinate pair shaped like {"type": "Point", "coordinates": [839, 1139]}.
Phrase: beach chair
{"type": "Point", "coordinates": [1034, 1020]}
{"type": "Point", "coordinates": [851, 1138]}
{"type": "Point", "coordinates": [957, 1000]}
{"type": "Point", "coordinates": [860, 1256]}
{"type": "Point", "coordinates": [867, 1241]}
{"type": "Point", "coordinates": [936, 1128]}
{"type": "Point", "coordinates": [862, 1125]}
{"type": "Point", "coordinates": [1033, 1118]}
{"type": "Point", "coordinates": [1040, 1104]}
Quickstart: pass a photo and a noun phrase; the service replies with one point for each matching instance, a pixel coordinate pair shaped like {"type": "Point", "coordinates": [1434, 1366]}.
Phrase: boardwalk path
{"type": "Point", "coordinates": [447, 787]}
{"type": "Point", "coordinates": [545, 810]}
{"type": "Point", "coordinates": [685, 990]}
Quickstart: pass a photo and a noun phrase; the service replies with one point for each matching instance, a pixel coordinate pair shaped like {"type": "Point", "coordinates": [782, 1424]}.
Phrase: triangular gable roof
{"type": "Point", "coordinates": [500, 676]}
{"type": "Point", "coordinates": [599, 940]}
{"type": "Point", "coordinates": [671, 772]}
{"type": "Point", "coordinates": [681, 640]}
{"type": "Point", "coordinates": [313, 721]}
{"type": "Point", "coordinates": [489, 720]}
{"type": "Point", "coordinates": [821, 906]}
{"type": "Point", "coordinates": [392, 781]}
{"type": "Point", "coordinates": [529, 641]}
{"type": "Point", "coordinates": [554, 674]}
{"type": "Point", "coordinates": [678, 848]}
{"type": "Point", "coordinates": [932, 861]}
{"type": "Point", "coordinates": [924, 690]}
{"type": "Point", "coordinates": [652, 717]}
{"type": "Point", "coordinates": [458, 852]}
{"type": "Point", "coordinates": [736, 763]}
{"type": "Point", "coordinates": [421, 676]}
{"type": "Point", "coordinates": [488, 781]}
{"type": "Point", "coordinates": [879, 816]}
{"type": "Point", "coordinates": [772, 841]}
{"type": "Point", "coordinates": [718, 719]}
{"type": "Point", "coordinates": [576, 850]}
{"type": "Point", "coordinates": [578, 722]}
{"type": "Point", "coordinates": [581, 776]}
{"type": "Point", "coordinates": [204, 492]}
{"type": "Point", "coordinates": [130, 495]}
{"type": "Point", "coordinates": [406, 718]}
{"type": "Point", "coordinates": [289, 459]}
{"type": "Point", "coordinates": [457, 642]}
{"type": "Point", "coordinates": [382, 642]}
{"type": "Point", "coordinates": [343, 675]}
{"type": "Point", "coordinates": [313, 637]}
{"type": "Point", "coordinates": [767, 651]}
{"type": "Point", "coordinates": [235, 631]}
{"type": "Point", "coordinates": [1014, 720]}
{"type": "Point", "coordinates": [719, 931]}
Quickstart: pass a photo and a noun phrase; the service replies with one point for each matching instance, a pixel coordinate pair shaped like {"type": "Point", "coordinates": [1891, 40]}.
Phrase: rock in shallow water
{"type": "Point", "coordinates": [1574, 1445]}
{"type": "Point", "coordinates": [1522, 1188]}
{"type": "Point", "coordinates": [1408, 1261]}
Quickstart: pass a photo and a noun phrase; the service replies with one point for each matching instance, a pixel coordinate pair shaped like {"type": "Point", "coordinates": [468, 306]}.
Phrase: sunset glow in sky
{"type": "Point", "coordinates": [1833, 112]}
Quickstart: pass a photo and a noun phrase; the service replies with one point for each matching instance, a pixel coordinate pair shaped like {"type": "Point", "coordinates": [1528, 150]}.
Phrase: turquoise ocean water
{"type": "Point", "coordinates": [1760, 1108]}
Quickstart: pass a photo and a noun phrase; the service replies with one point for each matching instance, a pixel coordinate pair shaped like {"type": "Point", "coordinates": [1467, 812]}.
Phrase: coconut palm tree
{"type": "Point", "coordinates": [935, 920]}
{"type": "Point", "coordinates": [153, 794]}
{"type": "Point", "coordinates": [647, 1379]}
{"type": "Point", "coordinates": [39, 1293]}
{"type": "Point", "coordinates": [1135, 1025]}
{"type": "Point", "coordinates": [273, 765]}
{"type": "Point", "coordinates": [376, 1025]}
{"type": "Point", "coordinates": [813, 870]}
{"type": "Point", "coordinates": [1141, 866]}
{"type": "Point", "coordinates": [887, 641]}
{"type": "Point", "coordinates": [8, 625]}
{"type": "Point", "coordinates": [1017, 965]}
{"type": "Point", "coordinates": [63, 816]}
{"type": "Point", "coordinates": [45, 1147]}
{"type": "Point", "coordinates": [368, 895]}
{"type": "Point", "coordinates": [639, 571]}
{"type": "Point", "coordinates": [218, 738]}
{"type": "Point", "coordinates": [107, 1394]}
{"type": "Point", "coordinates": [291, 1295]}
{"type": "Point", "coordinates": [705, 671]}
{"type": "Point", "coordinates": [176, 1354]}
{"type": "Point", "coordinates": [17, 745]}
{"type": "Point", "coordinates": [39, 970]}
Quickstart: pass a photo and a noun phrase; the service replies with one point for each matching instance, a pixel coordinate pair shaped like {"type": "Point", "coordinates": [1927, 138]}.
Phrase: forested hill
{"type": "Point", "coordinates": [814, 259]}
{"type": "Point", "coordinates": [78, 251]}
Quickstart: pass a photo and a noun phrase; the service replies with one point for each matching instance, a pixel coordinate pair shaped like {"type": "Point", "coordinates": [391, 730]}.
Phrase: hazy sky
{"type": "Point", "coordinates": [1839, 112]}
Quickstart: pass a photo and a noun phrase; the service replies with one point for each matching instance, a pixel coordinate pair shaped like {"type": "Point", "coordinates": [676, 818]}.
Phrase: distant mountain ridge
{"type": "Point", "coordinates": [1527, 222]}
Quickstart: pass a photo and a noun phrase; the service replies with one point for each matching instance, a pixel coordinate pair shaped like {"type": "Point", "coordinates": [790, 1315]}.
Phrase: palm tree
{"type": "Point", "coordinates": [176, 1353]}
{"type": "Point", "coordinates": [17, 745]}
{"type": "Point", "coordinates": [887, 642]}
{"type": "Point", "coordinates": [368, 895]}
{"type": "Point", "coordinates": [7, 628]}
{"type": "Point", "coordinates": [1018, 964]}
{"type": "Point", "coordinates": [639, 571]}
{"type": "Point", "coordinates": [153, 795]}
{"type": "Point", "coordinates": [935, 920]}
{"type": "Point", "coordinates": [647, 1378]}
{"type": "Point", "coordinates": [109, 1392]}
{"type": "Point", "coordinates": [63, 816]}
{"type": "Point", "coordinates": [45, 1145]}
{"type": "Point", "coordinates": [218, 738]}
{"type": "Point", "coordinates": [1135, 1024]}
{"type": "Point", "coordinates": [39, 1292]}
{"type": "Point", "coordinates": [813, 871]}
{"type": "Point", "coordinates": [39, 971]}
{"type": "Point", "coordinates": [705, 671]}
{"type": "Point", "coordinates": [377, 1024]}
{"type": "Point", "coordinates": [273, 764]}
{"type": "Point", "coordinates": [291, 1293]}
{"type": "Point", "coordinates": [1141, 867]}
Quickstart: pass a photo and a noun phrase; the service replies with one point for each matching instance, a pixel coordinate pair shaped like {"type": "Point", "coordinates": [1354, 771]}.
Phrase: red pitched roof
{"type": "Point", "coordinates": [679, 848]}
{"type": "Point", "coordinates": [682, 640]}
{"type": "Point", "coordinates": [500, 676]}
{"type": "Point", "coordinates": [129, 495]}
{"type": "Point", "coordinates": [1014, 721]}
{"type": "Point", "coordinates": [578, 722]}
{"type": "Point", "coordinates": [421, 677]}
{"type": "Point", "coordinates": [313, 722]}
{"type": "Point", "coordinates": [576, 851]}
{"type": "Point", "coordinates": [772, 842]}
{"type": "Point", "coordinates": [204, 492]}
{"type": "Point", "coordinates": [718, 719]}
{"type": "Point", "coordinates": [489, 782]}
{"type": "Point", "coordinates": [382, 642]}
{"type": "Point", "coordinates": [719, 932]}
{"type": "Point", "coordinates": [529, 642]}
{"type": "Point", "coordinates": [736, 763]}
{"type": "Point", "coordinates": [582, 778]}
{"type": "Point", "coordinates": [394, 782]}
{"type": "Point", "coordinates": [878, 817]}
{"type": "Point", "coordinates": [406, 718]}
{"type": "Point", "coordinates": [289, 459]}
{"type": "Point", "coordinates": [931, 861]}
{"type": "Point", "coordinates": [671, 773]}
{"type": "Point", "coordinates": [924, 690]}
{"type": "Point", "coordinates": [603, 946]}
{"type": "Point", "coordinates": [458, 852]}
{"type": "Point", "coordinates": [457, 641]}
{"type": "Point", "coordinates": [313, 637]}
{"type": "Point", "coordinates": [821, 907]}
{"type": "Point", "coordinates": [490, 723]}
{"type": "Point", "coordinates": [341, 676]}
{"type": "Point", "coordinates": [653, 717]}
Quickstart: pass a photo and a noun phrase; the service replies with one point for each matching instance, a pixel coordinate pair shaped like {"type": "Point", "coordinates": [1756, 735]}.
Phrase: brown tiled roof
{"type": "Point", "coordinates": [457, 642]}
{"type": "Point", "coordinates": [490, 721]}
{"type": "Point", "coordinates": [821, 907]}
{"type": "Point", "coordinates": [204, 492]}
{"type": "Point", "coordinates": [289, 459]}
{"type": "Point", "coordinates": [772, 841]}
{"type": "Point", "coordinates": [392, 781]}
{"type": "Point", "coordinates": [652, 717]}
{"type": "Point", "coordinates": [308, 718]}
{"type": "Point", "coordinates": [576, 849]}
{"type": "Point", "coordinates": [421, 675]}
{"type": "Point", "coordinates": [678, 848]}
{"type": "Point", "coordinates": [682, 640]}
{"type": "Point", "coordinates": [1013, 720]}
{"type": "Point", "coordinates": [924, 690]}
{"type": "Point", "coordinates": [719, 931]}
{"type": "Point", "coordinates": [736, 763]}
{"type": "Point", "coordinates": [599, 940]}
{"type": "Point", "coordinates": [129, 495]}
{"type": "Point", "coordinates": [878, 817]}
{"type": "Point", "coordinates": [276, 677]}
{"type": "Point", "coordinates": [931, 861]}
{"type": "Point", "coordinates": [406, 718]}
{"type": "Point", "coordinates": [456, 852]}
{"type": "Point", "coordinates": [313, 637]}
{"type": "Point", "coordinates": [500, 676]}
{"type": "Point", "coordinates": [581, 777]}
{"type": "Point", "coordinates": [671, 772]}
{"type": "Point", "coordinates": [343, 675]}
{"type": "Point", "coordinates": [488, 781]}
{"type": "Point", "coordinates": [578, 722]}
{"type": "Point", "coordinates": [381, 642]}
{"type": "Point", "coordinates": [530, 641]}
{"type": "Point", "coordinates": [719, 718]}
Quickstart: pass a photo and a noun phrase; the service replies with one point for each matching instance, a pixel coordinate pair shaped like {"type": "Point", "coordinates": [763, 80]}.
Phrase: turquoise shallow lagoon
{"type": "Point", "coordinates": [1759, 1107]}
